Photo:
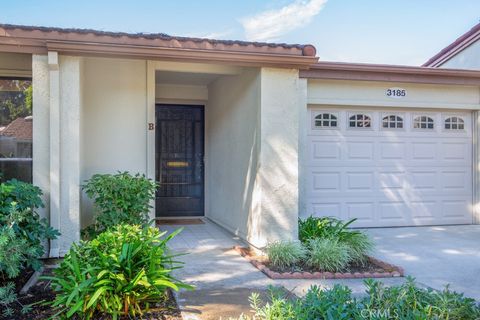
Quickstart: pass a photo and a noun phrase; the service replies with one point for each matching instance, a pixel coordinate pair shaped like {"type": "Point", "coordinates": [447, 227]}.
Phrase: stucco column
{"type": "Point", "coordinates": [54, 146]}
{"type": "Point", "coordinates": [70, 76]}
{"type": "Point", "coordinates": [275, 200]}
{"type": "Point", "coordinates": [41, 130]}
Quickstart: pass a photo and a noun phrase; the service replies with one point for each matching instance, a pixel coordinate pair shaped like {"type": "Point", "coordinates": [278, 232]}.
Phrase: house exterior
{"type": "Point", "coordinates": [250, 135]}
{"type": "Point", "coordinates": [463, 53]}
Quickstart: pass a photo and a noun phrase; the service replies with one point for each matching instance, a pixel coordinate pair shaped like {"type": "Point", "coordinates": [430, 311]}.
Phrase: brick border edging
{"type": "Point", "coordinates": [397, 271]}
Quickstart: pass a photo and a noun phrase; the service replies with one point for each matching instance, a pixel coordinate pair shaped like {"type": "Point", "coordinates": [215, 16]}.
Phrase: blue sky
{"type": "Point", "coordinates": [377, 31]}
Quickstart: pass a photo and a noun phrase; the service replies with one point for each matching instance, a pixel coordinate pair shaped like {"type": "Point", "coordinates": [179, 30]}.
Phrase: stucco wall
{"type": "Point", "coordinates": [232, 146]}
{"type": "Point", "coordinates": [169, 92]}
{"type": "Point", "coordinates": [469, 58]}
{"type": "Point", "coordinates": [282, 104]}
{"type": "Point", "coordinates": [114, 119]}
{"type": "Point", "coordinates": [372, 93]}
{"type": "Point", "coordinates": [252, 153]}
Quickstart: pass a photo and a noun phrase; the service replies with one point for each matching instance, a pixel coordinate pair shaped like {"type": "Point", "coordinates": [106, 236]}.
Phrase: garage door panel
{"type": "Point", "coordinates": [455, 209]}
{"type": "Point", "coordinates": [391, 177]}
{"type": "Point", "coordinates": [424, 151]}
{"type": "Point", "coordinates": [360, 150]}
{"type": "Point", "coordinates": [326, 150]}
{"type": "Point", "coordinates": [456, 181]}
{"type": "Point", "coordinates": [326, 181]}
{"type": "Point", "coordinates": [392, 150]}
{"type": "Point", "coordinates": [361, 180]}
{"type": "Point", "coordinates": [363, 211]}
{"type": "Point", "coordinates": [424, 180]}
{"type": "Point", "coordinates": [326, 209]}
{"type": "Point", "coordinates": [456, 151]}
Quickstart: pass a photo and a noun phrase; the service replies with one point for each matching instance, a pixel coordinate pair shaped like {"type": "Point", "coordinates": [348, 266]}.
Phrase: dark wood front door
{"type": "Point", "coordinates": [179, 160]}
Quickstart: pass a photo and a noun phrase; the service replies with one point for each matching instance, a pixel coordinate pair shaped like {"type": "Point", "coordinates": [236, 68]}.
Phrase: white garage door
{"type": "Point", "coordinates": [390, 167]}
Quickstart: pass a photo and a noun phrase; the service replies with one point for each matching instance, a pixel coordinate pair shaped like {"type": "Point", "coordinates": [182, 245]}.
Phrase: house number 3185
{"type": "Point", "coordinates": [396, 92]}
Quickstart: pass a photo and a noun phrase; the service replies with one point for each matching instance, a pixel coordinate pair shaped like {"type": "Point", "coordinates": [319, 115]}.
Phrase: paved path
{"type": "Point", "coordinates": [223, 279]}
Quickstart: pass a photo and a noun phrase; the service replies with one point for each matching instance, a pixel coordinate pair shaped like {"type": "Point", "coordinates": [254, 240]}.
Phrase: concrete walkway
{"type": "Point", "coordinates": [224, 280]}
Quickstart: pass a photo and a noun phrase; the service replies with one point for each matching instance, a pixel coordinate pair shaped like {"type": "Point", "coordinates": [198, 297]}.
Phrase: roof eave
{"type": "Point", "coordinates": [454, 48]}
{"type": "Point", "coordinates": [179, 54]}
{"type": "Point", "coordinates": [391, 73]}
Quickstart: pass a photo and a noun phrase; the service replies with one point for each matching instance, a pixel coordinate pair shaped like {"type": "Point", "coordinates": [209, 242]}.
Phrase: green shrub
{"type": "Point", "coordinates": [15, 252]}
{"type": "Point", "coordinates": [21, 235]}
{"type": "Point", "coordinates": [360, 244]}
{"type": "Point", "coordinates": [328, 255]}
{"type": "Point", "coordinates": [284, 254]}
{"type": "Point", "coordinates": [119, 199]}
{"type": "Point", "coordinates": [120, 272]}
{"type": "Point", "coordinates": [8, 297]}
{"type": "Point", "coordinates": [322, 227]}
{"type": "Point", "coordinates": [25, 195]}
{"type": "Point", "coordinates": [18, 204]}
{"type": "Point", "coordinates": [405, 301]}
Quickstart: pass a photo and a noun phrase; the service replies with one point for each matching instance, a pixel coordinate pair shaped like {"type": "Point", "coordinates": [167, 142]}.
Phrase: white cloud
{"type": "Point", "coordinates": [211, 35]}
{"type": "Point", "coordinates": [217, 35]}
{"type": "Point", "coordinates": [270, 25]}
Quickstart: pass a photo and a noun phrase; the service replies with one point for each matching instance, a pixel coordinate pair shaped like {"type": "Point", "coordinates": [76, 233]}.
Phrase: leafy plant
{"type": "Point", "coordinates": [120, 199]}
{"type": "Point", "coordinates": [358, 242]}
{"type": "Point", "coordinates": [284, 254]}
{"type": "Point", "coordinates": [15, 252]}
{"type": "Point", "coordinates": [328, 254]}
{"type": "Point", "coordinates": [360, 246]}
{"type": "Point", "coordinates": [7, 298]}
{"type": "Point", "coordinates": [323, 227]}
{"type": "Point", "coordinates": [18, 203]}
{"type": "Point", "coordinates": [406, 301]}
{"type": "Point", "coordinates": [121, 272]}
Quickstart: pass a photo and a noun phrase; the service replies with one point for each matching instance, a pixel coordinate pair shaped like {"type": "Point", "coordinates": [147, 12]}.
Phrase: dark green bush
{"type": "Point", "coordinates": [119, 198]}
{"type": "Point", "coordinates": [18, 204]}
{"type": "Point", "coordinates": [21, 234]}
{"type": "Point", "coordinates": [406, 301]}
{"type": "Point", "coordinates": [120, 272]}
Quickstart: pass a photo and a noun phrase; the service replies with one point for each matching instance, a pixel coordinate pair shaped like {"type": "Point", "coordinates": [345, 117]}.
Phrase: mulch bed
{"type": "Point", "coordinates": [41, 292]}
{"type": "Point", "coordinates": [374, 268]}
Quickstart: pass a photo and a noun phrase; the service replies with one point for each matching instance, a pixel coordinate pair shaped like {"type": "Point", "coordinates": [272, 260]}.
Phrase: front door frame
{"type": "Point", "coordinates": [202, 108]}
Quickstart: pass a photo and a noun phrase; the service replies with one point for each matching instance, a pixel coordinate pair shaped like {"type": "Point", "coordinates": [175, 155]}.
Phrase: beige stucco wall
{"type": "Point", "coordinates": [176, 92]}
{"type": "Point", "coordinates": [252, 154]}
{"type": "Point", "coordinates": [114, 120]}
{"type": "Point", "coordinates": [231, 151]}
{"type": "Point", "coordinates": [468, 58]}
{"type": "Point", "coordinates": [372, 93]}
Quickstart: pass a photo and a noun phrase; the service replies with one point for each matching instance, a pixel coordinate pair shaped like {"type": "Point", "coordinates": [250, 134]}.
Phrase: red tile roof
{"type": "Point", "coordinates": [20, 128]}
{"type": "Point", "coordinates": [53, 33]}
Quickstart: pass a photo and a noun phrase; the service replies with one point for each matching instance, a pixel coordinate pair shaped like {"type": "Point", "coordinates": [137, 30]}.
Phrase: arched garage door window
{"type": "Point", "coordinates": [454, 123]}
{"type": "Point", "coordinates": [360, 121]}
